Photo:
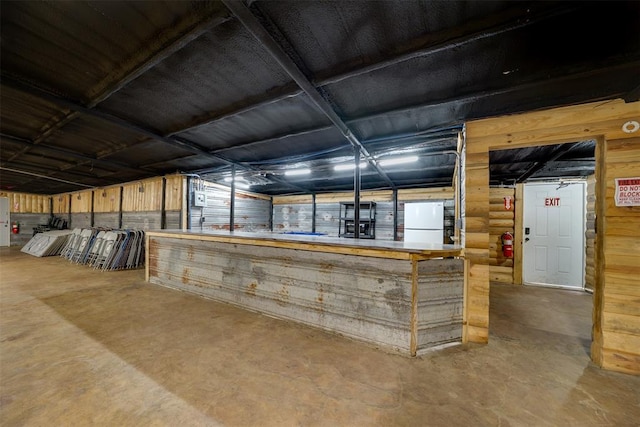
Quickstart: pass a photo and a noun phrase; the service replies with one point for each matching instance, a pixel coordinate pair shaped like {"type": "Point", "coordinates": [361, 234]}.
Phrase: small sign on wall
{"type": "Point", "coordinates": [551, 201]}
{"type": "Point", "coordinates": [627, 191]}
{"type": "Point", "coordinates": [508, 203]}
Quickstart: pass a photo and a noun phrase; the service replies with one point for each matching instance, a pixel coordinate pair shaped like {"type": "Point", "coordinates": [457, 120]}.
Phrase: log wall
{"type": "Point", "coordinates": [500, 220]}
{"type": "Point", "coordinates": [616, 326]}
{"type": "Point", "coordinates": [590, 236]}
{"type": "Point", "coordinates": [616, 343]}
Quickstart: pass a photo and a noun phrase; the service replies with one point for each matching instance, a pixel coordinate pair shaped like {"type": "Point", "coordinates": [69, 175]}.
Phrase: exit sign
{"type": "Point", "coordinates": [552, 201]}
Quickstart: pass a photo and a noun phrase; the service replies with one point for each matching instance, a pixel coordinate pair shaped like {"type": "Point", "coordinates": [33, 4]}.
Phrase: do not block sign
{"type": "Point", "coordinates": [628, 191]}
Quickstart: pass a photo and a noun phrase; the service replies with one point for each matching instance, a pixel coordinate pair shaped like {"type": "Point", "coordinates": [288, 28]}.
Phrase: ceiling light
{"type": "Point", "coordinates": [228, 179]}
{"type": "Point", "coordinates": [349, 166]}
{"type": "Point", "coordinates": [293, 172]}
{"type": "Point", "coordinates": [398, 161]}
{"type": "Point", "coordinates": [242, 185]}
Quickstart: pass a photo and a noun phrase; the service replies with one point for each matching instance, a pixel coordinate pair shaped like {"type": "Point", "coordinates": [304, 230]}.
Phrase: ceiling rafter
{"type": "Point", "coordinates": [252, 24]}
{"type": "Point", "coordinates": [555, 155]}
{"type": "Point", "coordinates": [70, 153]}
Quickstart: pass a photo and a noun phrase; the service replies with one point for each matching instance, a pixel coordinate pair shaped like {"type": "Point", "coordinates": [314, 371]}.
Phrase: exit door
{"type": "Point", "coordinates": [553, 236]}
{"type": "Point", "coordinates": [4, 222]}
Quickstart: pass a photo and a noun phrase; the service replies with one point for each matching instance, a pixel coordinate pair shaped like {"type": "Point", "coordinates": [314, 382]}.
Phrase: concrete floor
{"type": "Point", "coordinates": [81, 347]}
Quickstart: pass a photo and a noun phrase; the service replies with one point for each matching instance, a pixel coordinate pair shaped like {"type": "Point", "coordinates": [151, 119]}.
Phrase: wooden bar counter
{"type": "Point", "coordinates": [403, 297]}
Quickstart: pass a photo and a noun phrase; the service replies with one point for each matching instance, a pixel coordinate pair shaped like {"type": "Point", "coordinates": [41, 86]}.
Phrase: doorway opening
{"type": "Point", "coordinates": [553, 186]}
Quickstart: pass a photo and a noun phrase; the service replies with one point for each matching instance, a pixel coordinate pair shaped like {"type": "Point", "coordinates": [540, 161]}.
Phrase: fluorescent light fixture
{"type": "Point", "coordinates": [294, 172]}
{"type": "Point", "coordinates": [242, 185]}
{"type": "Point", "coordinates": [228, 179]}
{"type": "Point", "coordinates": [349, 166]}
{"type": "Point", "coordinates": [398, 161]}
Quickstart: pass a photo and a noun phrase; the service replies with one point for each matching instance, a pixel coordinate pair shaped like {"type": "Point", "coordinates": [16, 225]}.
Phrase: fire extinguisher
{"type": "Point", "coordinates": [15, 228]}
{"type": "Point", "coordinates": [507, 244]}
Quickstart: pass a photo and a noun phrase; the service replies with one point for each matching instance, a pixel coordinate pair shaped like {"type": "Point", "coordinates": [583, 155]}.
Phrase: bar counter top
{"type": "Point", "coordinates": [319, 243]}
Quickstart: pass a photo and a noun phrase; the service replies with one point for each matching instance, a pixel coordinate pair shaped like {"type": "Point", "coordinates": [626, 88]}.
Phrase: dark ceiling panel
{"type": "Point", "coordinates": [327, 33]}
{"type": "Point", "coordinates": [222, 67]}
{"type": "Point", "coordinates": [93, 137]}
{"type": "Point", "coordinates": [148, 153]}
{"type": "Point", "coordinates": [287, 116]}
{"type": "Point", "coordinates": [24, 116]}
{"type": "Point", "coordinates": [72, 47]}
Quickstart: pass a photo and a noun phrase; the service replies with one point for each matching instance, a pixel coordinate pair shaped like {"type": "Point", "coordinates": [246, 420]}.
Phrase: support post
{"type": "Point", "coordinates": [163, 209]}
{"type": "Point", "coordinates": [232, 205]}
{"type": "Point", "coordinates": [313, 212]}
{"type": "Point", "coordinates": [356, 195]}
{"type": "Point", "coordinates": [395, 213]}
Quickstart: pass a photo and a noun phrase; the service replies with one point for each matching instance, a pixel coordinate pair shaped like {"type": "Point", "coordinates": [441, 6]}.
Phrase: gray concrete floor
{"type": "Point", "coordinates": [80, 347]}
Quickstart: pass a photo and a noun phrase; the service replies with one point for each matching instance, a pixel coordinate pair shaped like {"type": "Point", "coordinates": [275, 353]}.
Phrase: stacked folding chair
{"type": "Point", "coordinates": [105, 249]}
{"type": "Point", "coordinates": [47, 243]}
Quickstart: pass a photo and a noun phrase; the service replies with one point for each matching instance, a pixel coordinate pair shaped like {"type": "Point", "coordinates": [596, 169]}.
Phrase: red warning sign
{"type": "Point", "coordinates": [627, 192]}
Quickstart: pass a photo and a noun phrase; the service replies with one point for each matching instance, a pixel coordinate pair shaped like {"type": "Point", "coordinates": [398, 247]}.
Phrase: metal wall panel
{"type": "Point", "coordinates": [356, 296]}
{"type": "Point", "coordinates": [440, 302]}
{"type": "Point", "coordinates": [80, 220]}
{"type": "Point", "coordinates": [250, 214]}
{"type": "Point", "coordinates": [27, 222]}
{"type": "Point", "coordinates": [173, 220]}
{"type": "Point", "coordinates": [297, 217]}
{"type": "Point", "coordinates": [327, 218]}
{"type": "Point", "coordinates": [106, 219]}
{"type": "Point", "coordinates": [293, 217]}
{"type": "Point", "coordinates": [142, 220]}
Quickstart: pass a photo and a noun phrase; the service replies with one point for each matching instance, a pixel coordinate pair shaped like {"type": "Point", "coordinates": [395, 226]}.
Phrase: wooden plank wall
{"type": "Point", "coordinates": [81, 201]}
{"type": "Point", "coordinates": [61, 204]}
{"type": "Point", "coordinates": [106, 200]}
{"type": "Point", "coordinates": [373, 196]}
{"type": "Point", "coordinates": [590, 235]}
{"type": "Point", "coordinates": [616, 319]}
{"type": "Point", "coordinates": [27, 203]}
{"type": "Point", "coordinates": [500, 221]}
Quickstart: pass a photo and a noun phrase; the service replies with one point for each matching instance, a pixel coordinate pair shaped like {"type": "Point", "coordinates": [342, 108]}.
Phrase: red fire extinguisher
{"type": "Point", "coordinates": [15, 228]}
{"type": "Point", "coordinates": [507, 244]}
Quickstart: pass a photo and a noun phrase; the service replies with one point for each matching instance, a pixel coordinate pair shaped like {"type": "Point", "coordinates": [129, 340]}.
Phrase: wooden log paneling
{"type": "Point", "coordinates": [500, 221]}
{"type": "Point", "coordinates": [27, 203]}
{"type": "Point", "coordinates": [616, 343]}
{"type": "Point", "coordinates": [620, 247]}
{"type": "Point", "coordinates": [590, 235]}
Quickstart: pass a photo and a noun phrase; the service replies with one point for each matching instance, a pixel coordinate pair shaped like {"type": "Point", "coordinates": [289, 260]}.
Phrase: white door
{"type": "Point", "coordinates": [553, 236]}
{"type": "Point", "coordinates": [5, 228]}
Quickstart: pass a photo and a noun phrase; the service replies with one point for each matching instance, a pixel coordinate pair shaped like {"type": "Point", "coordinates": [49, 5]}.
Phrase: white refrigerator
{"type": "Point", "coordinates": [424, 222]}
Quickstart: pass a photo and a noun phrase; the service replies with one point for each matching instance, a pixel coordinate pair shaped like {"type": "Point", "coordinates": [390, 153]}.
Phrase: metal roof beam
{"type": "Point", "coordinates": [64, 152]}
{"type": "Point", "coordinates": [537, 166]}
{"type": "Point", "coordinates": [252, 24]}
